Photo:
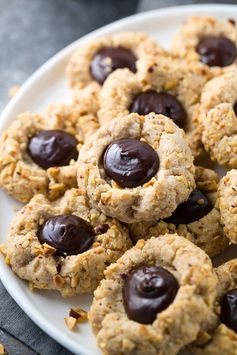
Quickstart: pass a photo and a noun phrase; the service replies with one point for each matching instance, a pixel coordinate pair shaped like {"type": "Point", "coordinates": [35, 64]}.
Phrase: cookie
{"type": "Point", "coordinates": [137, 168]}
{"type": "Point", "coordinates": [38, 152]}
{"type": "Point", "coordinates": [218, 118]}
{"type": "Point", "coordinates": [209, 41]}
{"type": "Point", "coordinates": [64, 245]}
{"type": "Point", "coordinates": [154, 299]}
{"type": "Point", "coordinates": [165, 86]}
{"type": "Point", "coordinates": [197, 219]}
{"type": "Point", "coordinates": [227, 201]}
{"type": "Point", "coordinates": [222, 338]}
{"type": "Point", "coordinates": [93, 62]}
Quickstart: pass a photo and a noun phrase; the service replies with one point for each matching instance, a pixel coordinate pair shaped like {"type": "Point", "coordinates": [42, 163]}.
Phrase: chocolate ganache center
{"type": "Point", "coordinates": [228, 314]}
{"type": "Point", "coordinates": [109, 59]}
{"type": "Point", "coordinates": [216, 51]}
{"type": "Point", "coordinates": [52, 148]}
{"type": "Point", "coordinates": [147, 291]}
{"type": "Point", "coordinates": [160, 103]}
{"type": "Point", "coordinates": [197, 206]}
{"type": "Point", "coordinates": [68, 234]}
{"type": "Point", "coordinates": [130, 162]}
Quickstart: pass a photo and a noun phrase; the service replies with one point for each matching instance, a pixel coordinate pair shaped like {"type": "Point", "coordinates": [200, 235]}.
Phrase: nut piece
{"type": "Point", "coordinates": [70, 322]}
{"type": "Point", "coordinates": [2, 350]}
{"type": "Point", "coordinates": [79, 314]}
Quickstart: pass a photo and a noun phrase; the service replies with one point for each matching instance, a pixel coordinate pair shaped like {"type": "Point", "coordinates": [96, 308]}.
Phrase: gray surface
{"type": "Point", "coordinates": [31, 31]}
{"type": "Point", "coordinates": [145, 5]}
{"type": "Point", "coordinates": [16, 323]}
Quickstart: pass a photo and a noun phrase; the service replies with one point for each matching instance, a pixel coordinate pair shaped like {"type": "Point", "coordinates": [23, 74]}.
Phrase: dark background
{"type": "Point", "coordinates": [31, 31]}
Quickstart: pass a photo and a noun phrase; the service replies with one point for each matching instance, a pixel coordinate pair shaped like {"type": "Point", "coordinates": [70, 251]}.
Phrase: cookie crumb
{"type": "Point", "coordinates": [13, 90]}
{"type": "Point", "coordinates": [70, 322]}
{"type": "Point", "coordinates": [3, 249]}
{"type": "Point", "coordinates": [2, 350]}
{"type": "Point", "coordinates": [79, 314]}
{"type": "Point", "coordinates": [44, 249]}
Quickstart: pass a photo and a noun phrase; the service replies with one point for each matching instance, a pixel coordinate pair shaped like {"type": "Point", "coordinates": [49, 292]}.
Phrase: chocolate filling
{"type": "Point", "coordinates": [68, 234]}
{"type": "Point", "coordinates": [109, 59]}
{"type": "Point", "coordinates": [147, 291]}
{"type": "Point", "coordinates": [160, 103]}
{"type": "Point", "coordinates": [197, 206]}
{"type": "Point", "coordinates": [130, 162]}
{"type": "Point", "coordinates": [228, 314]}
{"type": "Point", "coordinates": [216, 51]}
{"type": "Point", "coordinates": [52, 148]}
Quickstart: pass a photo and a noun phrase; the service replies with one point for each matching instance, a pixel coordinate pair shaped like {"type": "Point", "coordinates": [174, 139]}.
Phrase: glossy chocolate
{"type": "Point", "coordinates": [216, 51]}
{"type": "Point", "coordinates": [148, 290]}
{"type": "Point", "coordinates": [228, 314]}
{"type": "Point", "coordinates": [68, 234]}
{"type": "Point", "coordinates": [130, 162]}
{"type": "Point", "coordinates": [109, 59]}
{"type": "Point", "coordinates": [52, 148]}
{"type": "Point", "coordinates": [160, 103]}
{"type": "Point", "coordinates": [197, 206]}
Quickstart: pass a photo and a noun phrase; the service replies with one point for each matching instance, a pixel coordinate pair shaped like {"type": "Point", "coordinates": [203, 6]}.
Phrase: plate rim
{"type": "Point", "coordinates": [5, 118]}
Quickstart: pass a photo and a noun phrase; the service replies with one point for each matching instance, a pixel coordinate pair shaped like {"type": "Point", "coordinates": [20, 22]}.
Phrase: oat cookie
{"type": "Point", "coordinates": [163, 85]}
{"type": "Point", "coordinates": [199, 217]}
{"type": "Point", "coordinates": [137, 168]}
{"type": "Point", "coordinates": [218, 119]}
{"type": "Point", "coordinates": [93, 62]}
{"type": "Point", "coordinates": [154, 298]}
{"type": "Point", "coordinates": [64, 245]}
{"type": "Point", "coordinates": [227, 201]}
{"type": "Point", "coordinates": [38, 152]}
{"type": "Point", "coordinates": [221, 337]}
{"type": "Point", "coordinates": [209, 41]}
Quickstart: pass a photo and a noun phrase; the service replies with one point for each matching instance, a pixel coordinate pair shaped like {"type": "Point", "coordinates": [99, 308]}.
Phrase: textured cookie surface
{"type": "Point", "coordinates": [79, 73]}
{"type": "Point", "coordinates": [227, 201]}
{"type": "Point", "coordinates": [19, 175]}
{"type": "Point", "coordinates": [218, 119]}
{"type": "Point", "coordinates": [156, 198]}
{"type": "Point", "coordinates": [194, 29]}
{"type": "Point", "coordinates": [206, 232]}
{"type": "Point", "coordinates": [39, 263]}
{"type": "Point", "coordinates": [168, 75]}
{"type": "Point", "coordinates": [219, 339]}
{"type": "Point", "coordinates": [175, 326]}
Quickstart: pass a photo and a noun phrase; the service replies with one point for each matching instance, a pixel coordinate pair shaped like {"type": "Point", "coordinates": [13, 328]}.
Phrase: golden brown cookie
{"type": "Point", "coordinates": [64, 245]}
{"type": "Point", "coordinates": [219, 337]}
{"type": "Point", "coordinates": [163, 85]}
{"type": "Point", "coordinates": [154, 299]}
{"type": "Point", "coordinates": [200, 213]}
{"type": "Point", "coordinates": [137, 168]}
{"type": "Point", "coordinates": [91, 63]}
{"type": "Point", "coordinates": [209, 41]}
{"type": "Point", "coordinates": [218, 118]}
{"type": "Point", "coordinates": [38, 152]}
{"type": "Point", "coordinates": [227, 201]}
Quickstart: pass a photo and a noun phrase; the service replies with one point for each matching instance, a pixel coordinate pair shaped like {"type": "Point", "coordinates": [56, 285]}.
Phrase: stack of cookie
{"type": "Point", "coordinates": [120, 193]}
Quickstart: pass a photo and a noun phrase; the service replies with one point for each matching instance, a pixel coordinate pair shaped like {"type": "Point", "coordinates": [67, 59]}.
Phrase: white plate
{"type": "Point", "coordinates": [48, 85]}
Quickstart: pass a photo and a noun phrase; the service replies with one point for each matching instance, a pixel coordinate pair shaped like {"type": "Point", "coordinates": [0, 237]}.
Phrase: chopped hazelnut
{"type": "Point", "coordinates": [70, 322]}
{"type": "Point", "coordinates": [79, 314]}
